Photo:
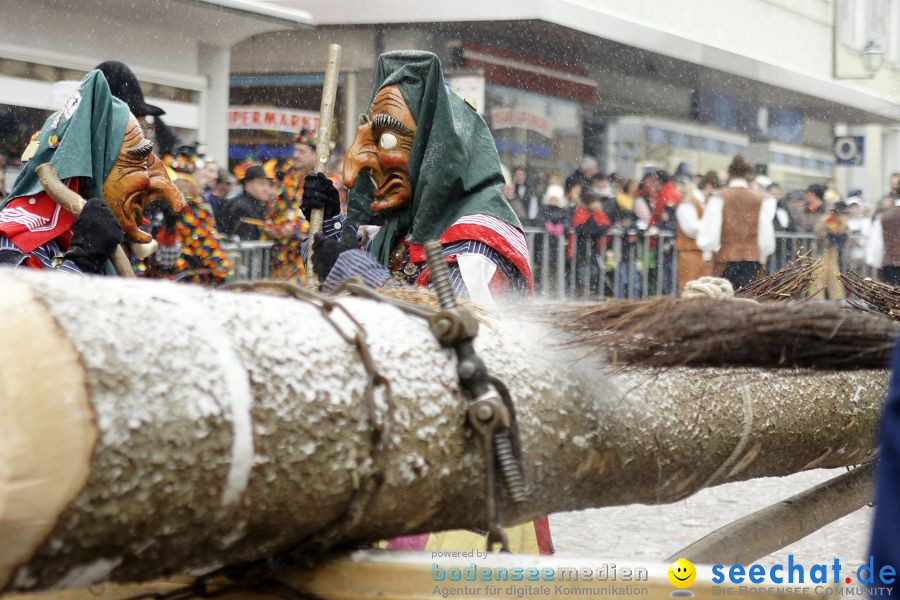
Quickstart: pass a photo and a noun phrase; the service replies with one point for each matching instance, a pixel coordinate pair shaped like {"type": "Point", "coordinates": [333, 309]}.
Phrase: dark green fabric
{"type": "Point", "coordinates": [89, 138]}
{"type": "Point", "coordinates": [454, 168]}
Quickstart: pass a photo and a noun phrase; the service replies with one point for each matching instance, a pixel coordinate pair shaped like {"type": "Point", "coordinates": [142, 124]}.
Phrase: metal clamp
{"type": "Point", "coordinates": [491, 412]}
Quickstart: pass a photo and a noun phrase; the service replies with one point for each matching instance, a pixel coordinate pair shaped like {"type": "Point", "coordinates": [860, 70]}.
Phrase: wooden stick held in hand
{"type": "Point", "coordinates": [323, 149]}
{"type": "Point", "coordinates": [74, 203]}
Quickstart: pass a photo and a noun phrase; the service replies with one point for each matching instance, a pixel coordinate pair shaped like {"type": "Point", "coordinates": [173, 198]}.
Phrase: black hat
{"type": "Point", "coordinates": [125, 86]}
{"type": "Point", "coordinates": [817, 190]}
{"type": "Point", "coordinates": [254, 172]}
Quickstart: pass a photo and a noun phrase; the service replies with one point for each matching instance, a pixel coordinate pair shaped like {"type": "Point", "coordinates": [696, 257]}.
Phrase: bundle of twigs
{"type": "Point", "coordinates": [791, 282]}
{"type": "Point", "coordinates": [668, 332]}
{"type": "Point", "coordinates": [872, 296]}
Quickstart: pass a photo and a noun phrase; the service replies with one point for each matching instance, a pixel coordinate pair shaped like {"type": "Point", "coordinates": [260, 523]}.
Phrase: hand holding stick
{"type": "Point", "coordinates": [323, 149]}
{"type": "Point", "coordinates": [74, 203]}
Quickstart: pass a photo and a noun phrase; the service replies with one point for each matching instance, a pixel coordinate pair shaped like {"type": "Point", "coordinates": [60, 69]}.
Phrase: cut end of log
{"type": "Point", "coordinates": [47, 431]}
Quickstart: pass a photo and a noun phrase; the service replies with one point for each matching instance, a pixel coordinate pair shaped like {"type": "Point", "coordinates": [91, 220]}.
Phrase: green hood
{"type": "Point", "coordinates": [89, 132]}
{"type": "Point", "coordinates": [454, 168]}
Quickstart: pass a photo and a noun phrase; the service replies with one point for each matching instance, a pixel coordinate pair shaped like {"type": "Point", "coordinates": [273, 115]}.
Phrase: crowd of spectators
{"type": "Point", "coordinates": [620, 231]}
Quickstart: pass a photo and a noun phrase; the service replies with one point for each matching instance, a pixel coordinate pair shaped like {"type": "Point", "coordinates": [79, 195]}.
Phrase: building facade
{"type": "Point", "coordinates": [641, 84]}
{"type": "Point", "coordinates": [180, 50]}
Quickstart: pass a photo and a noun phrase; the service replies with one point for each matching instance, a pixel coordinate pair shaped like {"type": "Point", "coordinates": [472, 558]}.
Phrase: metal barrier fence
{"type": "Point", "coordinates": [252, 260]}
{"type": "Point", "coordinates": [630, 264]}
{"type": "Point", "coordinates": [635, 264]}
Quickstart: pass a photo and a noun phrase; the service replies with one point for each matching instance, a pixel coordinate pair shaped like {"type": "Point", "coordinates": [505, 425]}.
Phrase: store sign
{"type": "Point", "coordinates": [509, 118]}
{"type": "Point", "coordinates": [272, 119]}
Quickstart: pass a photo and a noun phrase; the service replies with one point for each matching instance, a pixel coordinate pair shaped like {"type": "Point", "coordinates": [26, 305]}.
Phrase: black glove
{"type": "Point", "coordinates": [326, 251]}
{"type": "Point", "coordinates": [95, 236]}
{"type": "Point", "coordinates": [319, 192]}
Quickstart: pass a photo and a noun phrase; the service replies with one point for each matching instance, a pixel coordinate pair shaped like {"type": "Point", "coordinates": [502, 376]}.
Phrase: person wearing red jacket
{"type": "Point", "coordinates": [589, 224]}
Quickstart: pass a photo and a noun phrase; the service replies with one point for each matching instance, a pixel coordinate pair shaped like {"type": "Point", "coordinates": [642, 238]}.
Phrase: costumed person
{"type": "Point", "coordinates": [424, 167]}
{"type": "Point", "coordinates": [738, 226]}
{"type": "Point", "coordinates": [190, 246]}
{"type": "Point", "coordinates": [98, 150]}
{"type": "Point", "coordinates": [202, 259]}
{"type": "Point", "coordinates": [435, 175]}
{"type": "Point", "coordinates": [691, 264]}
{"type": "Point", "coordinates": [302, 164]}
{"type": "Point", "coordinates": [832, 233]}
{"type": "Point", "coordinates": [883, 247]}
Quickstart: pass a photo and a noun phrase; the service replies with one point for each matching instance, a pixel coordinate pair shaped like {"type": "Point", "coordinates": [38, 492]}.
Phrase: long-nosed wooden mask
{"type": "Point", "coordinates": [137, 176]}
{"type": "Point", "coordinates": [383, 145]}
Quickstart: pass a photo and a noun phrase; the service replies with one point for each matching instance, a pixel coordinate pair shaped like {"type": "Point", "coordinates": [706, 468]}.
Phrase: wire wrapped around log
{"type": "Point", "coordinates": [74, 203]}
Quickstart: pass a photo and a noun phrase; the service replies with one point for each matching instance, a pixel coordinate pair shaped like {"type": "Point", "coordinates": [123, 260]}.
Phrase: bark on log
{"type": "Point", "coordinates": [223, 436]}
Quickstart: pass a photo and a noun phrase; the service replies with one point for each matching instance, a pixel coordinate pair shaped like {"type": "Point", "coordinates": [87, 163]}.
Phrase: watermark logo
{"type": "Point", "coordinates": [682, 574]}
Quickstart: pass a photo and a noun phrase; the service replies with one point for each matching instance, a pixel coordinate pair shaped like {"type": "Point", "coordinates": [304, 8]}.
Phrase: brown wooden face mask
{"type": "Point", "coordinates": [137, 176]}
{"type": "Point", "coordinates": [383, 144]}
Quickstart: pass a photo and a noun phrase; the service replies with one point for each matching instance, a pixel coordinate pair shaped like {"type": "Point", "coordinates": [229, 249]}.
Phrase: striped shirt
{"type": "Point", "coordinates": [11, 255]}
{"type": "Point", "coordinates": [359, 263]}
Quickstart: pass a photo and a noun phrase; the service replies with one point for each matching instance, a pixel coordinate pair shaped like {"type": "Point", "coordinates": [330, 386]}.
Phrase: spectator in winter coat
{"type": "Point", "coordinates": [524, 200]}
{"type": "Point", "coordinates": [602, 188]}
{"type": "Point", "coordinates": [590, 224]}
{"type": "Point", "coordinates": [814, 209]}
{"type": "Point", "coordinates": [625, 199]}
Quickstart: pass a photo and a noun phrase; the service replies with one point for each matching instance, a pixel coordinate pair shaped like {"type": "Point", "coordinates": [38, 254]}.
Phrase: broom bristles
{"type": "Point", "coordinates": [872, 296]}
{"type": "Point", "coordinates": [668, 332]}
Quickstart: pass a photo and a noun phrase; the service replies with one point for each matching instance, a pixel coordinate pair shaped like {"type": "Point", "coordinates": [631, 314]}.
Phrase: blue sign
{"type": "Point", "coordinates": [849, 150]}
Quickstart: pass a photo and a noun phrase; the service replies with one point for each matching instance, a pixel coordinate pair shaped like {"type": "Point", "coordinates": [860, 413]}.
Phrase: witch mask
{"type": "Point", "coordinates": [382, 147]}
{"type": "Point", "coordinates": [137, 176]}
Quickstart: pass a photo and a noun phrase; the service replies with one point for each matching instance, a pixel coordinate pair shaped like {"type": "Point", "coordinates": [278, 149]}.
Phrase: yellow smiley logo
{"type": "Point", "coordinates": [682, 573]}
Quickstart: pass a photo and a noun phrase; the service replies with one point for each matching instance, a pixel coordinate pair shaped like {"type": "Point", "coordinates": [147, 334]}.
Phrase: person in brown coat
{"type": "Point", "coordinates": [691, 264]}
{"type": "Point", "coordinates": [883, 250]}
{"type": "Point", "coordinates": [737, 226]}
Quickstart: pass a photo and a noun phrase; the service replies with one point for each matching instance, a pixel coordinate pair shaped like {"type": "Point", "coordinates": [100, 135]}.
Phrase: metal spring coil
{"type": "Point", "coordinates": [440, 274]}
{"type": "Point", "coordinates": [509, 467]}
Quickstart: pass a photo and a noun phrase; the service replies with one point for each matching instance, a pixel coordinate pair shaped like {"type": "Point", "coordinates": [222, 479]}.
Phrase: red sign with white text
{"type": "Point", "coordinates": [272, 119]}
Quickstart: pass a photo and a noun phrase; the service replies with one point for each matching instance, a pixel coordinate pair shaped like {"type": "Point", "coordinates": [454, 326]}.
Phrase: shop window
{"type": "Point", "coordinates": [540, 131]}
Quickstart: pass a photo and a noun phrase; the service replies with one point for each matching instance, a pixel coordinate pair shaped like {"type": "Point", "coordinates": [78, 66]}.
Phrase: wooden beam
{"type": "Point", "coordinates": [774, 527]}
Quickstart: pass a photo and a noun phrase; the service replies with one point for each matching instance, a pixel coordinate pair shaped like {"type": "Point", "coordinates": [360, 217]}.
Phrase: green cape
{"type": "Point", "coordinates": [89, 132]}
{"type": "Point", "coordinates": [454, 168]}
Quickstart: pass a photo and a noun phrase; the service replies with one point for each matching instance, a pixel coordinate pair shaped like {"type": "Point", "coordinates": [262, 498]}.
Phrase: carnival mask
{"type": "Point", "coordinates": [137, 176]}
{"type": "Point", "coordinates": [383, 144]}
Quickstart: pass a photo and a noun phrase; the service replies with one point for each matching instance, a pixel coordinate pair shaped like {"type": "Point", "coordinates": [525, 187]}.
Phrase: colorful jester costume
{"type": "Point", "coordinates": [190, 246]}
{"type": "Point", "coordinates": [284, 213]}
{"type": "Point", "coordinates": [202, 259]}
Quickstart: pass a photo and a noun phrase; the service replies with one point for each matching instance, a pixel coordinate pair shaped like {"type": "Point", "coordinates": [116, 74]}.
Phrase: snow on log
{"type": "Point", "coordinates": [150, 429]}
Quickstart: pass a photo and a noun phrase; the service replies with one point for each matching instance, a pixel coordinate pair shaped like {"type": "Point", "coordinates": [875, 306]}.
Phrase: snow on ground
{"type": "Point", "coordinates": [652, 533]}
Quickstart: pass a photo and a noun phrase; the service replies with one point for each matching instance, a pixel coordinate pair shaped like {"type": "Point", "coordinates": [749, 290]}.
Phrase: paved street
{"type": "Point", "coordinates": [651, 533]}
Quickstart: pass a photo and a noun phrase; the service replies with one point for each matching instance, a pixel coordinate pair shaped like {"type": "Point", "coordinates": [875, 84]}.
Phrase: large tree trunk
{"type": "Point", "coordinates": [149, 429]}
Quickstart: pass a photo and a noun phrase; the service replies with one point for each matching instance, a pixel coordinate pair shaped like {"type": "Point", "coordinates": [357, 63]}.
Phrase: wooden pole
{"type": "Point", "coordinates": [774, 527]}
{"type": "Point", "coordinates": [232, 426]}
{"type": "Point", "coordinates": [74, 203]}
{"type": "Point", "coordinates": [323, 150]}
